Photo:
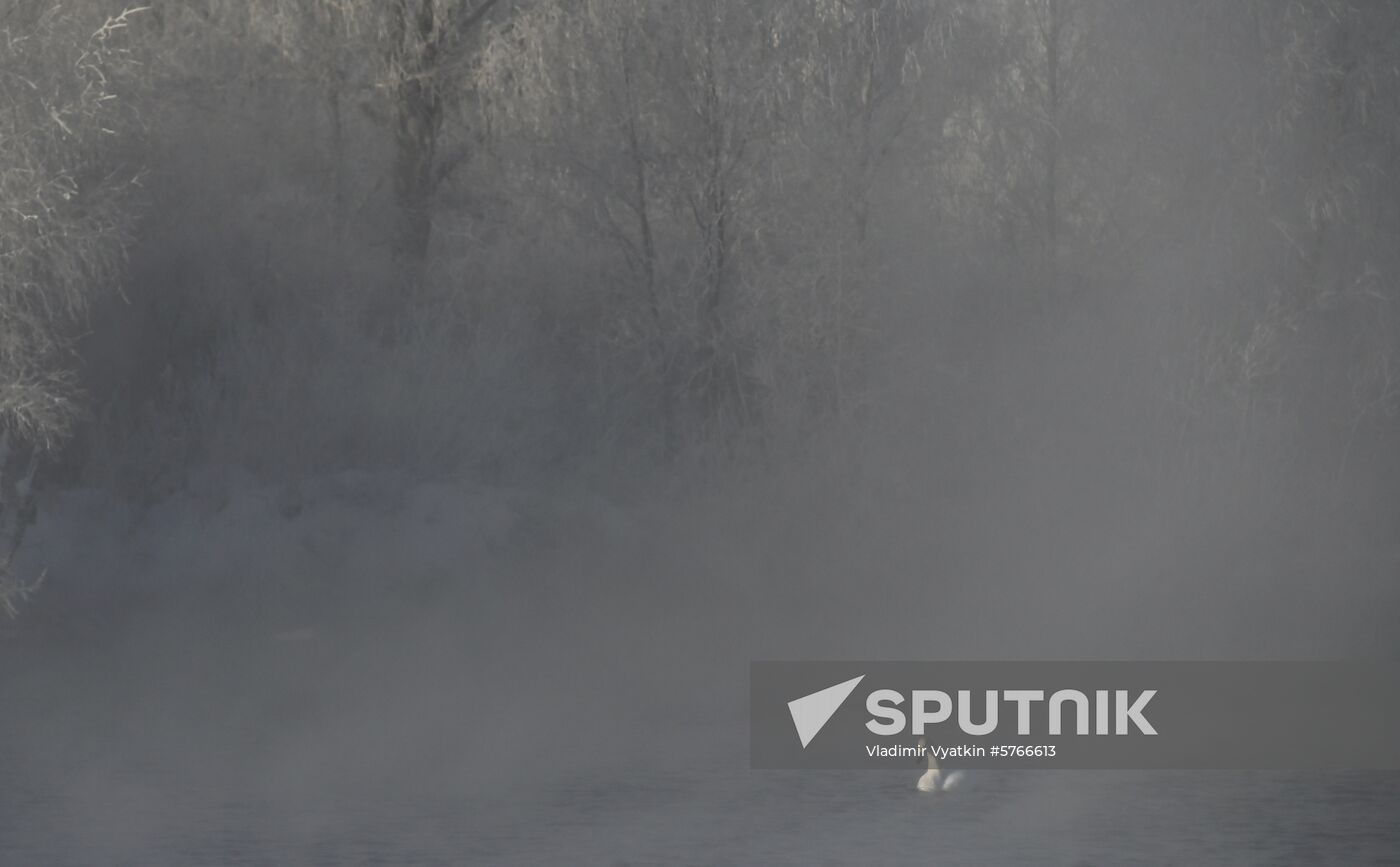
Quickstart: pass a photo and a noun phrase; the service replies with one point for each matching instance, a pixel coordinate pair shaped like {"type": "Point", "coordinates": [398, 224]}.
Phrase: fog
{"type": "Point", "coordinates": [433, 407]}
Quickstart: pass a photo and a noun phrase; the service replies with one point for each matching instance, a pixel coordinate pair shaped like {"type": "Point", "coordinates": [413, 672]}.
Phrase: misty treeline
{"type": "Point", "coordinates": [515, 239]}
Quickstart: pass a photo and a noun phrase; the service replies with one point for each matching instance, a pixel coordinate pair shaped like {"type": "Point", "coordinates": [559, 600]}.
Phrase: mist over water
{"type": "Point", "coordinates": [482, 397]}
{"type": "Point", "coordinates": [585, 701]}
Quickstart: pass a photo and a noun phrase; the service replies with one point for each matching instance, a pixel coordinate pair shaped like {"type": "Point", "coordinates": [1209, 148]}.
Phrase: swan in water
{"type": "Point", "coordinates": [934, 779]}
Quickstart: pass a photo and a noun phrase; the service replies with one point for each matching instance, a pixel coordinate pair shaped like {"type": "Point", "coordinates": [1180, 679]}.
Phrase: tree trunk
{"type": "Point", "coordinates": [337, 169]}
{"type": "Point", "coordinates": [641, 206]}
{"type": "Point", "coordinates": [1051, 29]}
{"type": "Point", "coordinates": [419, 118]}
{"type": "Point", "coordinates": [16, 514]}
{"type": "Point", "coordinates": [418, 114]}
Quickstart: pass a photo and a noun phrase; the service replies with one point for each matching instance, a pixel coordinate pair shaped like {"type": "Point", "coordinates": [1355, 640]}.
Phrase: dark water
{"type": "Point", "coordinates": [710, 816]}
{"type": "Point", "coordinates": [135, 759]}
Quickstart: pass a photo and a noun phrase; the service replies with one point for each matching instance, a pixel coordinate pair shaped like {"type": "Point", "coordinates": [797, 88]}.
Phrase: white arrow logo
{"type": "Point", "coordinates": [811, 712]}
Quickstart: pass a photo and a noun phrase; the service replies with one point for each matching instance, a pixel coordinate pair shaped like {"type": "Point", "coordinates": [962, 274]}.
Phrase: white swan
{"type": "Point", "coordinates": [929, 782]}
{"type": "Point", "coordinates": [933, 779]}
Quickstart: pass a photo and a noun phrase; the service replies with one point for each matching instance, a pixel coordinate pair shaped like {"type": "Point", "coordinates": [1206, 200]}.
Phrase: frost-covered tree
{"type": "Point", "coordinates": [65, 216]}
